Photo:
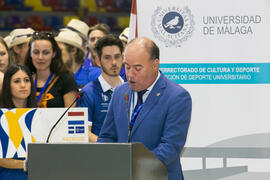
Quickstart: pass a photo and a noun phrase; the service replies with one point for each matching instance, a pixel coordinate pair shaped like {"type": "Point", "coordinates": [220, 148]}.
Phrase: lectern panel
{"type": "Point", "coordinates": [96, 161]}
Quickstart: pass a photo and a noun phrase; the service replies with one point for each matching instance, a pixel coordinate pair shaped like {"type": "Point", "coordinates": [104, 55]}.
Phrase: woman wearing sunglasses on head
{"type": "Point", "coordinates": [55, 85]}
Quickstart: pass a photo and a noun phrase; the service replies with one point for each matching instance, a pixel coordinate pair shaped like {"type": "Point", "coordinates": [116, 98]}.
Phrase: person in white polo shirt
{"type": "Point", "coordinates": [98, 93]}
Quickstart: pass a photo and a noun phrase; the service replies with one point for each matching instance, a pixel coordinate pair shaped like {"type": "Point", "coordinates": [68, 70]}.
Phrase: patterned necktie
{"type": "Point", "coordinates": [110, 92]}
{"type": "Point", "coordinates": [136, 111]}
{"type": "Point", "coordinates": [137, 108]}
{"type": "Point", "coordinates": [140, 100]}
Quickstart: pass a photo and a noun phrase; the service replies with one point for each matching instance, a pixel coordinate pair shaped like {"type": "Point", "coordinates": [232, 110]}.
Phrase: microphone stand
{"type": "Point", "coordinates": [79, 95]}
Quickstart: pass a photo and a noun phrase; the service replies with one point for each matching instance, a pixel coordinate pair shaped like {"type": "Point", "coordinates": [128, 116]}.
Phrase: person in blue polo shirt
{"type": "Point", "coordinates": [97, 94]}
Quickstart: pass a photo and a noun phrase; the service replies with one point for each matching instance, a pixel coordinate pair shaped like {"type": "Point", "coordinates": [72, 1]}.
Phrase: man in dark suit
{"type": "Point", "coordinates": [149, 108]}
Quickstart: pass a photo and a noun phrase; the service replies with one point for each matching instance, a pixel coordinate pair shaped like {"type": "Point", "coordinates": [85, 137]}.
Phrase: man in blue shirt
{"type": "Point", "coordinates": [95, 33]}
{"type": "Point", "coordinates": [97, 94]}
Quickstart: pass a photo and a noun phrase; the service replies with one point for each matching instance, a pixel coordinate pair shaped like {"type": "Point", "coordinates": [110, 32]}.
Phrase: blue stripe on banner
{"type": "Point", "coordinates": [28, 118]}
{"type": "Point", "coordinates": [75, 122]}
{"type": "Point", "coordinates": [79, 129]}
{"type": "Point", "coordinates": [218, 73]}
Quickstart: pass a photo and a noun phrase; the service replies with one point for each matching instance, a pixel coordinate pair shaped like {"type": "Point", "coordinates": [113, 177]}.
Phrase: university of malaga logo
{"type": "Point", "coordinates": [172, 25]}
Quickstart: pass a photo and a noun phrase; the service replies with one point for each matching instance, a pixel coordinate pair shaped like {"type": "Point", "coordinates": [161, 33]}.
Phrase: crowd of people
{"type": "Point", "coordinates": [47, 69]}
{"type": "Point", "coordinates": [44, 69]}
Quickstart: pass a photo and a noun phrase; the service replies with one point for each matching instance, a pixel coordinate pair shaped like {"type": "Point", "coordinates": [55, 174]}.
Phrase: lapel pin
{"type": "Point", "coordinates": [158, 94]}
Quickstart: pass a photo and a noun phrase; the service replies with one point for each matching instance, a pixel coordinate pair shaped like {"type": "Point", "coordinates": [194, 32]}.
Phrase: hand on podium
{"type": "Point", "coordinates": [91, 136]}
{"type": "Point", "coordinates": [25, 165]}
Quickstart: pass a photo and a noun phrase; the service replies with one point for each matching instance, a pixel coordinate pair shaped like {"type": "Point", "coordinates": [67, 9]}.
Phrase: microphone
{"type": "Point", "coordinates": [78, 96]}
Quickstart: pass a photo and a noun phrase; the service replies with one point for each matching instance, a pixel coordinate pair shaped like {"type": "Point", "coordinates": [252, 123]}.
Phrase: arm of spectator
{"type": "Point", "coordinates": [11, 163]}
{"type": "Point", "coordinates": [69, 98]}
{"type": "Point", "coordinates": [91, 136]}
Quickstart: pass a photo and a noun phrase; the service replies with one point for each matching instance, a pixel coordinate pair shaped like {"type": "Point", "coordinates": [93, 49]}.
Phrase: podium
{"type": "Point", "coordinates": [93, 161]}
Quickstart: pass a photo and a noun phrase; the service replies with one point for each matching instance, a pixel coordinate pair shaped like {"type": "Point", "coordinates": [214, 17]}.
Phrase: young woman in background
{"type": "Point", "coordinates": [4, 56]}
{"type": "Point", "coordinates": [54, 84]}
{"type": "Point", "coordinates": [4, 59]}
{"type": "Point", "coordinates": [17, 92]}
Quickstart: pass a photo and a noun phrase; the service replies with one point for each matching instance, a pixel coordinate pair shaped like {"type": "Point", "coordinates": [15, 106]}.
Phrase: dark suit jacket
{"type": "Point", "coordinates": [161, 125]}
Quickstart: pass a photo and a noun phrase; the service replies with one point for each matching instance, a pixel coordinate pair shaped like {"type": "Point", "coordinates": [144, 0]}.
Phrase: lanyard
{"type": "Point", "coordinates": [135, 114]}
{"type": "Point", "coordinates": [44, 87]}
{"type": "Point", "coordinates": [88, 59]}
{"type": "Point", "coordinates": [77, 74]}
{"type": "Point", "coordinates": [135, 111]}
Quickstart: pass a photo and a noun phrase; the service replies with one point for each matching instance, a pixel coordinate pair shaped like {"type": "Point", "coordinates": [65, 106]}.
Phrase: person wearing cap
{"type": "Point", "coordinates": [19, 44]}
{"type": "Point", "coordinates": [124, 36]}
{"type": "Point", "coordinates": [70, 44]}
{"type": "Point", "coordinates": [97, 94]}
{"type": "Point", "coordinates": [81, 28]}
{"type": "Point", "coordinates": [7, 40]}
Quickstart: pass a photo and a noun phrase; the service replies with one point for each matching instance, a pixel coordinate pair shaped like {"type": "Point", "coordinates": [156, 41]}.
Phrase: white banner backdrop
{"type": "Point", "coordinates": [18, 127]}
{"type": "Point", "coordinates": [219, 50]}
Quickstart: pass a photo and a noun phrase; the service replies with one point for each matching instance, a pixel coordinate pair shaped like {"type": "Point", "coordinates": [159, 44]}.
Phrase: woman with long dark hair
{"type": "Point", "coordinates": [54, 84]}
{"type": "Point", "coordinates": [17, 92]}
{"type": "Point", "coordinates": [8, 97]}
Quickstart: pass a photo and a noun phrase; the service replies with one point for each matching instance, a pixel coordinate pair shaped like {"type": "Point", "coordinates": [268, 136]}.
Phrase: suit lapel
{"type": "Point", "coordinates": [130, 94]}
{"type": "Point", "coordinates": [122, 117]}
{"type": "Point", "coordinates": [151, 101]}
